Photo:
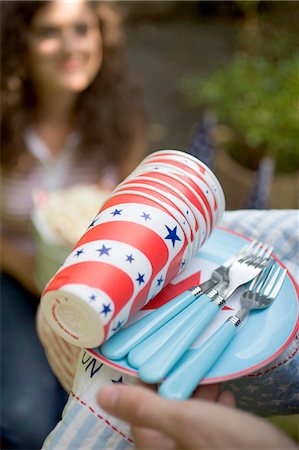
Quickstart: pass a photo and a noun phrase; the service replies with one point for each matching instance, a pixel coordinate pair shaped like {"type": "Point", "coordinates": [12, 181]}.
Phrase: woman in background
{"type": "Point", "coordinates": [68, 116]}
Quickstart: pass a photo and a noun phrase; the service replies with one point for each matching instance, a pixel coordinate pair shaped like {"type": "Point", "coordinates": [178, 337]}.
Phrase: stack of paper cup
{"type": "Point", "coordinates": [144, 235]}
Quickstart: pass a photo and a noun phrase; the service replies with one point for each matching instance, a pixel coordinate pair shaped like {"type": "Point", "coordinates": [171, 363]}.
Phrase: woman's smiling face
{"type": "Point", "coordinates": [65, 46]}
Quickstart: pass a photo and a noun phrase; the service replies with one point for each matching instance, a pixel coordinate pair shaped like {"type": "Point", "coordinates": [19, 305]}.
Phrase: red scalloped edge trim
{"type": "Point", "coordinates": [101, 417]}
{"type": "Point", "coordinates": [263, 372]}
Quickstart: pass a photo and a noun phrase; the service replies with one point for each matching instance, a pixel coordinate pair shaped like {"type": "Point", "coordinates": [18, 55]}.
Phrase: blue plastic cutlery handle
{"type": "Point", "coordinates": [156, 368]}
{"type": "Point", "coordinates": [182, 381]}
{"type": "Point", "coordinates": [119, 345]}
{"type": "Point", "coordinates": [147, 348]}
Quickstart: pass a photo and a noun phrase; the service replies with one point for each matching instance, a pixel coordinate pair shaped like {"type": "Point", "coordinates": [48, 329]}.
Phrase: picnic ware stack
{"type": "Point", "coordinates": [144, 235]}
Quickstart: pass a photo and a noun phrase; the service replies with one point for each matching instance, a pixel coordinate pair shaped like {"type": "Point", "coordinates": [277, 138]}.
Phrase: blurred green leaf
{"type": "Point", "coordinates": [259, 98]}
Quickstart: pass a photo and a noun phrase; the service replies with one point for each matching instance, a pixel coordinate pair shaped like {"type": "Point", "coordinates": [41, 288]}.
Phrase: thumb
{"type": "Point", "coordinates": [140, 407]}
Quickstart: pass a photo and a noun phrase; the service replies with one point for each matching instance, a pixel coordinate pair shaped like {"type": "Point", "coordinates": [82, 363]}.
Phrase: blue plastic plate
{"type": "Point", "coordinates": [265, 333]}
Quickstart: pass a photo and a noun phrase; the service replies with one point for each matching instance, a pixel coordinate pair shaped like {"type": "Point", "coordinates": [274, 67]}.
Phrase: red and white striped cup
{"type": "Point", "coordinates": [143, 236]}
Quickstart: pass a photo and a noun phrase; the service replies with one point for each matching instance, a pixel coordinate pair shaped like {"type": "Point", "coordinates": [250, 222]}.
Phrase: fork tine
{"type": "Point", "coordinates": [243, 252]}
{"type": "Point", "coordinates": [266, 282]}
{"type": "Point", "coordinates": [251, 247]}
{"type": "Point", "coordinates": [252, 244]}
{"type": "Point", "coordinates": [260, 251]}
{"type": "Point", "coordinates": [274, 286]}
{"type": "Point", "coordinates": [256, 248]}
{"type": "Point", "coordinates": [269, 250]}
{"type": "Point", "coordinates": [248, 252]}
{"type": "Point", "coordinates": [263, 261]}
{"type": "Point", "coordinates": [251, 252]}
{"type": "Point", "coordinates": [259, 256]}
{"type": "Point", "coordinates": [268, 279]}
{"type": "Point", "coordinates": [263, 256]}
{"type": "Point", "coordinates": [259, 281]}
{"type": "Point", "coordinates": [264, 251]}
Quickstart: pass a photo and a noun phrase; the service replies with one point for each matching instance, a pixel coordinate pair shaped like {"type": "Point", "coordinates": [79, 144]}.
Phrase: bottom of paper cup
{"type": "Point", "coordinates": [73, 319]}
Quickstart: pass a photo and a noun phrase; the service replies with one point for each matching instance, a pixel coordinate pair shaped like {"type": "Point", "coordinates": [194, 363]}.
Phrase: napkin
{"type": "Point", "coordinates": [84, 424]}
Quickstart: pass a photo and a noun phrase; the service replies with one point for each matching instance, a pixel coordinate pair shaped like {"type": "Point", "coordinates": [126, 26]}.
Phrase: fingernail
{"type": "Point", "coordinates": [107, 397]}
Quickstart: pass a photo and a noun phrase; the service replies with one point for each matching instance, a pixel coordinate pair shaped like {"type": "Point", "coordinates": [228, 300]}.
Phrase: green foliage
{"type": "Point", "coordinates": [258, 98]}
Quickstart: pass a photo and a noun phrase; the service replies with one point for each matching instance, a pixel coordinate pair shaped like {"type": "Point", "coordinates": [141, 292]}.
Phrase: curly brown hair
{"type": "Point", "coordinates": [108, 112]}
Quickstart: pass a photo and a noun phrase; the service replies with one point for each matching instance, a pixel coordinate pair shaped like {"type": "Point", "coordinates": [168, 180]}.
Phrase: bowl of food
{"type": "Point", "coordinates": [59, 219]}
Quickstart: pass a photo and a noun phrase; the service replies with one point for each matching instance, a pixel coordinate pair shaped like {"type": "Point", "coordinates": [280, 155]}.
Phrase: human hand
{"type": "Point", "coordinates": [193, 424]}
{"type": "Point", "coordinates": [213, 393]}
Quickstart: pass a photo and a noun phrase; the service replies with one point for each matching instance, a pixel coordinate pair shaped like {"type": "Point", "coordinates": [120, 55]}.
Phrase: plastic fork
{"type": "Point", "coordinates": [143, 351]}
{"type": "Point", "coordinates": [177, 335]}
{"type": "Point", "coordinates": [184, 379]}
{"type": "Point", "coordinates": [119, 345]}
